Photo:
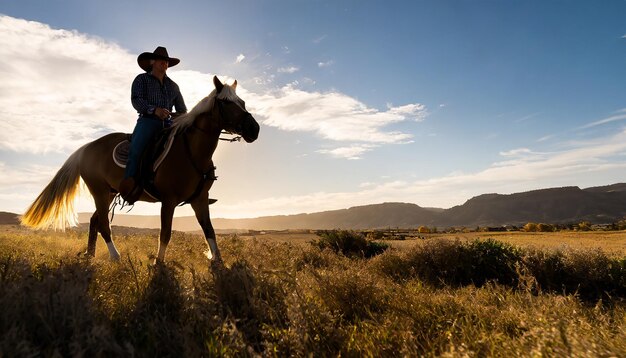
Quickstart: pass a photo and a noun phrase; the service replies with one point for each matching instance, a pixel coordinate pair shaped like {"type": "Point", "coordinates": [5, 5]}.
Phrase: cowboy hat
{"type": "Point", "coordinates": [159, 54]}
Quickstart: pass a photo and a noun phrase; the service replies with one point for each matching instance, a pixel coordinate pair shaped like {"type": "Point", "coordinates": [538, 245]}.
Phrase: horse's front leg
{"type": "Point", "coordinates": [201, 207]}
{"type": "Point", "coordinates": [167, 214]}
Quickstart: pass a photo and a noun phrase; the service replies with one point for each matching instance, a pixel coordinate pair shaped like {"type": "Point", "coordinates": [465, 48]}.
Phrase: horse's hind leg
{"type": "Point", "coordinates": [93, 235]}
{"type": "Point", "coordinates": [100, 220]}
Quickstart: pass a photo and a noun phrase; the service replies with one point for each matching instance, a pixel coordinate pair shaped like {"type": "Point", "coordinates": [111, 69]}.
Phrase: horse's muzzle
{"type": "Point", "coordinates": [250, 129]}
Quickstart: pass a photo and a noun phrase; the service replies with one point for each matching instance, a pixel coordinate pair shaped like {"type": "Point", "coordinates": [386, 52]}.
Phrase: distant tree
{"type": "Point", "coordinates": [530, 227]}
{"type": "Point", "coordinates": [584, 226]}
{"type": "Point", "coordinates": [545, 228]}
{"type": "Point", "coordinates": [375, 235]}
{"type": "Point", "coordinates": [423, 230]}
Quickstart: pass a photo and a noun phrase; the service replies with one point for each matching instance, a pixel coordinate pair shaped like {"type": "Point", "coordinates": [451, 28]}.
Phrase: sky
{"type": "Point", "coordinates": [359, 102]}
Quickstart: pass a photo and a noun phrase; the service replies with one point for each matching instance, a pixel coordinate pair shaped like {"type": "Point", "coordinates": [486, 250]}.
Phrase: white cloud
{"type": "Point", "coordinates": [308, 81]}
{"type": "Point", "coordinates": [264, 79]}
{"type": "Point", "coordinates": [527, 117]}
{"type": "Point", "coordinates": [60, 88]}
{"type": "Point", "coordinates": [352, 152]}
{"type": "Point", "coordinates": [545, 138]}
{"type": "Point", "coordinates": [516, 152]}
{"type": "Point", "coordinates": [332, 116]}
{"type": "Point", "coordinates": [240, 58]}
{"type": "Point", "coordinates": [325, 64]}
{"type": "Point", "coordinates": [415, 111]}
{"type": "Point", "coordinates": [317, 40]}
{"type": "Point", "coordinates": [290, 69]}
{"type": "Point", "coordinates": [610, 119]}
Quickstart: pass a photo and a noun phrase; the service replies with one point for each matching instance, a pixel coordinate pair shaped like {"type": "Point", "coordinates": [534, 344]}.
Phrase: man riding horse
{"type": "Point", "coordinates": [153, 94]}
{"type": "Point", "coordinates": [185, 175]}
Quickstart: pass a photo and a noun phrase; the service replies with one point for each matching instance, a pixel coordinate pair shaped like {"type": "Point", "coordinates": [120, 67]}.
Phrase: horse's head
{"type": "Point", "coordinates": [233, 115]}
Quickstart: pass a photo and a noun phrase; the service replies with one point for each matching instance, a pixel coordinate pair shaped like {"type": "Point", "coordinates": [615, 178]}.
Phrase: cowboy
{"type": "Point", "coordinates": [153, 94]}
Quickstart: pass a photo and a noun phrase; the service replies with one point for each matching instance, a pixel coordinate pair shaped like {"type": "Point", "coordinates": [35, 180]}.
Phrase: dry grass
{"type": "Point", "coordinates": [434, 298]}
{"type": "Point", "coordinates": [611, 242]}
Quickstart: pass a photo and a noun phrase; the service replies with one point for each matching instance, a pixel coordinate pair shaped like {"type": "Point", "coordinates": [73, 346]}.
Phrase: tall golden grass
{"type": "Point", "coordinates": [439, 298]}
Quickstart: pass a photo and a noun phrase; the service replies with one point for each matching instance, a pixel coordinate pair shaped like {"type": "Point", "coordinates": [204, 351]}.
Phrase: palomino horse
{"type": "Point", "coordinates": [185, 174]}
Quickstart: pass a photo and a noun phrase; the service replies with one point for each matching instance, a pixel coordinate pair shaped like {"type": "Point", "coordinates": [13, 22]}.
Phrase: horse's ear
{"type": "Point", "coordinates": [234, 86]}
{"type": "Point", "coordinates": [218, 85]}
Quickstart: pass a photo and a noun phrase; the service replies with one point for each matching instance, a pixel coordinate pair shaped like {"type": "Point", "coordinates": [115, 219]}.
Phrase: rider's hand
{"type": "Point", "coordinates": [162, 113]}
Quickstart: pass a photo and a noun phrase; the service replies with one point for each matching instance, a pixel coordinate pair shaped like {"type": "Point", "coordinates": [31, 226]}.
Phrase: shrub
{"type": "Point", "coordinates": [545, 228]}
{"type": "Point", "coordinates": [584, 226]}
{"type": "Point", "coordinates": [493, 260]}
{"type": "Point", "coordinates": [530, 227]}
{"type": "Point", "coordinates": [375, 235]}
{"type": "Point", "coordinates": [590, 274]}
{"type": "Point", "coordinates": [445, 262]}
{"type": "Point", "coordinates": [423, 230]}
{"type": "Point", "coordinates": [349, 243]}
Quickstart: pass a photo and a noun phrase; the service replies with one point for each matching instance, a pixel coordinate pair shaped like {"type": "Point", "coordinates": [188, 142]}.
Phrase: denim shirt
{"type": "Point", "coordinates": [147, 93]}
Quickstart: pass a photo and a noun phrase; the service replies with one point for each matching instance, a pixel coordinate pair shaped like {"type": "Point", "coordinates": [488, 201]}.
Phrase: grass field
{"type": "Point", "coordinates": [557, 294]}
{"type": "Point", "coordinates": [611, 242]}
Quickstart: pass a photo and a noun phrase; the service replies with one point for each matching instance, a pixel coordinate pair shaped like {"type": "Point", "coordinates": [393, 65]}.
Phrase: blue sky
{"type": "Point", "coordinates": [429, 102]}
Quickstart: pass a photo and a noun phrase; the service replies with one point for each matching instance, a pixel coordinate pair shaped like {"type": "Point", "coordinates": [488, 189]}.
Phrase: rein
{"type": "Point", "coordinates": [204, 175]}
{"type": "Point", "coordinates": [210, 173]}
{"type": "Point", "coordinates": [236, 138]}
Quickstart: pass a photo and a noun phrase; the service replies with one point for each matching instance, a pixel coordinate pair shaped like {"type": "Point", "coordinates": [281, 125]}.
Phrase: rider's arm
{"type": "Point", "coordinates": [138, 96]}
{"type": "Point", "coordinates": [179, 102]}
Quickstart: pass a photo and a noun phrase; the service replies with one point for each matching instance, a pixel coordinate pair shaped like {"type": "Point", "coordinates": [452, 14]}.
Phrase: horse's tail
{"type": "Point", "coordinates": [54, 207]}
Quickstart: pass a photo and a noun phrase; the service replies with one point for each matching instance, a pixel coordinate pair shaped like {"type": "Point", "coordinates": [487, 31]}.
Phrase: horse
{"type": "Point", "coordinates": [185, 175]}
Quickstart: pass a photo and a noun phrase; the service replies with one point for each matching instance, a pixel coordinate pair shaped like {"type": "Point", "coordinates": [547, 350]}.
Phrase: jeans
{"type": "Point", "coordinates": [145, 130]}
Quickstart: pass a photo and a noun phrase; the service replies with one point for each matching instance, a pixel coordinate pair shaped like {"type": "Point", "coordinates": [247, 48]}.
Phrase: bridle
{"type": "Point", "coordinates": [223, 122]}
{"type": "Point", "coordinates": [226, 123]}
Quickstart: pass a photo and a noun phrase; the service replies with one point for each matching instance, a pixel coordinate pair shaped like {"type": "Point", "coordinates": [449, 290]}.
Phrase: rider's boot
{"type": "Point", "coordinates": [130, 191]}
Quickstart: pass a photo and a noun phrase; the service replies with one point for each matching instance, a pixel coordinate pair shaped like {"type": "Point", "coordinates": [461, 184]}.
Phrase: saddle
{"type": "Point", "coordinates": [149, 161]}
{"type": "Point", "coordinates": [154, 154]}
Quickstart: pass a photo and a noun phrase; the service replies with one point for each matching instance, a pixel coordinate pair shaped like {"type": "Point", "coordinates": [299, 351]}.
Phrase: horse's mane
{"type": "Point", "coordinates": [205, 105]}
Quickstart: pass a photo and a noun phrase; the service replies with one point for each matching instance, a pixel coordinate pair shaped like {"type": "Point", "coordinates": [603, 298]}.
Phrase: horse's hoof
{"type": "Point", "coordinates": [157, 262]}
{"type": "Point", "coordinates": [86, 254]}
{"type": "Point", "coordinates": [217, 265]}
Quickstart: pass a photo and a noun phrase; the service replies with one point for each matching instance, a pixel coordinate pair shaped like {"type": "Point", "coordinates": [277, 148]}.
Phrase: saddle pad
{"type": "Point", "coordinates": [120, 153]}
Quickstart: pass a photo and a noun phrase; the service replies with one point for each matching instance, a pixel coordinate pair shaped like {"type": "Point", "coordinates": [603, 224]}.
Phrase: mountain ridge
{"type": "Point", "coordinates": [559, 205]}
